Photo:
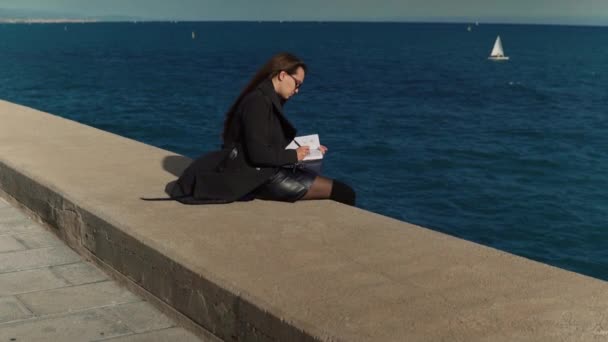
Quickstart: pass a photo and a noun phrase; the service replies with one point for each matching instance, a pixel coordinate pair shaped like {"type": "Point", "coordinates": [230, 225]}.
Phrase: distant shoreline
{"type": "Point", "coordinates": [46, 21]}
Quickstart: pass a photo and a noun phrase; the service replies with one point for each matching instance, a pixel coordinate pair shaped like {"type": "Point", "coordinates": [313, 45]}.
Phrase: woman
{"type": "Point", "coordinates": [254, 162]}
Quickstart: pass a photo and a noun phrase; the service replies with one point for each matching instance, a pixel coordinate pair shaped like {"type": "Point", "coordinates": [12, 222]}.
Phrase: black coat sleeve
{"type": "Point", "coordinates": [259, 126]}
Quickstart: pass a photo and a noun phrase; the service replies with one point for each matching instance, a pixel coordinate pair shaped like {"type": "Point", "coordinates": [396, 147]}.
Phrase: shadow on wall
{"type": "Point", "coordinates": [175, 165]}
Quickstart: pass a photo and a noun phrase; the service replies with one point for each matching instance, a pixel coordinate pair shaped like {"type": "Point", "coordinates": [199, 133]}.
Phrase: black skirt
{"type": "Point", "coordinates": [287, 185]}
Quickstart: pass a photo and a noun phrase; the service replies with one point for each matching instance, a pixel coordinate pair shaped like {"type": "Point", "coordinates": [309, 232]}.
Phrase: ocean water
{"type": "Point", "coordinates": [511, 155]}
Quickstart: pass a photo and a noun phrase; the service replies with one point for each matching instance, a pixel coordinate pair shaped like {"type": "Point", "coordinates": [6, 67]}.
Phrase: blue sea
{"type": "Point", "coordinates": [512, 155]}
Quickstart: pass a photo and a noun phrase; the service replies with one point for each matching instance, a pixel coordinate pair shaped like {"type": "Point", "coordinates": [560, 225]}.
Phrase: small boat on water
{"type": "Point", "coordinates": [498, 53]}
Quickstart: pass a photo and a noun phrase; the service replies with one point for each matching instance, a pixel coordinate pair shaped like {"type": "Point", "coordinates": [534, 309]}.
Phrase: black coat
{"type": "Point", "coordinates": [254, 149]}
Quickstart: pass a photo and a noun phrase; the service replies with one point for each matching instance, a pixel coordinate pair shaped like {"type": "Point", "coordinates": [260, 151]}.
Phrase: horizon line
{"type": "Point", "coordinates": [93, 20]}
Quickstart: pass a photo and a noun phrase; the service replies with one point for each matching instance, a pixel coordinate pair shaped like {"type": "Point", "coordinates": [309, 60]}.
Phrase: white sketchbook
{"type": "Point", "coordinates": [311, 141]}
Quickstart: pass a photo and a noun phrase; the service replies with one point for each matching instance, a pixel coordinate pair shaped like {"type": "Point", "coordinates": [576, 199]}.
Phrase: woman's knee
{"type": "Point", "coordinates": [319, 189]}
{"type": "Point", "coordinates": [342, 193]}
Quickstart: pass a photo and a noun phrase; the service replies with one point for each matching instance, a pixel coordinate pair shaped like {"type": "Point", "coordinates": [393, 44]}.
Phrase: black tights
{"type": "Point", "coordinates": [324, 188]}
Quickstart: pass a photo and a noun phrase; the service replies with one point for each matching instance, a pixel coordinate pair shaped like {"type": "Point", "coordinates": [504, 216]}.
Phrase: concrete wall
{"type": "Point", "coordinates": [267, 271]}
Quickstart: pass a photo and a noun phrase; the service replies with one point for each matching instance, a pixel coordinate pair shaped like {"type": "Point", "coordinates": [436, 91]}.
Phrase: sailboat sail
{"type": "Point", "coordinates": [497, 51]}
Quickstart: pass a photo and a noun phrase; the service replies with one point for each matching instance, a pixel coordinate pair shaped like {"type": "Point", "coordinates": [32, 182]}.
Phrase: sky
{"type": "Point", "coordinates": [586, 12]}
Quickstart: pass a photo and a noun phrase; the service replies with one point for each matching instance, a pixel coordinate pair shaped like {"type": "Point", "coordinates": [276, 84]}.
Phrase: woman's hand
{"type": "Point", "coordinates": [302, 152]}
{"type": "Point", "coordinates": [323, 149]}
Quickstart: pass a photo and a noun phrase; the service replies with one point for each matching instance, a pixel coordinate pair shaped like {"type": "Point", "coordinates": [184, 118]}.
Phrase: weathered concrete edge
{"type": "Point", "coordinates": [205, 307]}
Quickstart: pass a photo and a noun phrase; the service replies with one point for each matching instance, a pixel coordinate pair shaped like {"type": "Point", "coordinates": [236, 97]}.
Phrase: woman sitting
{"type": "Point", "coordinates": [254, 162]}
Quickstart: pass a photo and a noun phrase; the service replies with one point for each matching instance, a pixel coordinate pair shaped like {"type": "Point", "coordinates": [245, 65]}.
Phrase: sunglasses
{"type": "Point", "coordinates": [296, 81]}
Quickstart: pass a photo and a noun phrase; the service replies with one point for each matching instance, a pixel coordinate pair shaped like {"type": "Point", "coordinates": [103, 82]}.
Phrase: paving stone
{"type": "Point", "coordinates": [87, 325]}
{"type": "Point", "coordinates": [36, 258]}
{"type": "Point", "coordinates": [48, 293]}
{"type": "Point", "coordinates": [79, 273]}
{"type": "Point", "coordinates": [28, 281]}
{"type": "Point", "coordinates": [171, 334]}
{"type": "Point", "coordinates": [19, 226]}
{"type": "Point", "coordinates": [38, 239]}
{"type": "Point", "coordinates": [11, 309]}
{"type": "Point", "coordinates": [8, 243]}
{"type": "Point", "coordinates": [10, 214]}
{"type": "Point", "coordinates": [141, 316]}
{"type": "Point", "coordinates": [77, 298]}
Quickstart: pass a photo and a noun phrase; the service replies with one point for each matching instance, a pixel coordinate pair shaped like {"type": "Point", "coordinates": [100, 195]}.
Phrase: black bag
{"type": "Point", "coordinates": [184, 189]}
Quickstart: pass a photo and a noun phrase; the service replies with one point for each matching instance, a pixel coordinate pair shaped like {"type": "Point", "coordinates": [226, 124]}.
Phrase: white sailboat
{"type": "Point", "coordinates": [497, 53]}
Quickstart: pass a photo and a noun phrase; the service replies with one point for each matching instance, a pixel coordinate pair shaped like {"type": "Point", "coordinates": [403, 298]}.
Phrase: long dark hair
{"type": "Point", "coordinates": [283, 61]}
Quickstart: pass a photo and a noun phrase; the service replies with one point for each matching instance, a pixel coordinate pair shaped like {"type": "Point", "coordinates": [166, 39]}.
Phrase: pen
{"type": "Point", "coordinates": [299, 162]}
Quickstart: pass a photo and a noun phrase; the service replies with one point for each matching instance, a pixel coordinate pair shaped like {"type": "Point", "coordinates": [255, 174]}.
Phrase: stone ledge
{"type": "Point", "coordinates": [266, 271]}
